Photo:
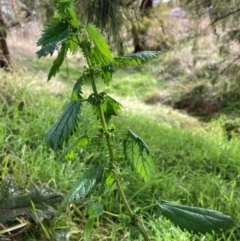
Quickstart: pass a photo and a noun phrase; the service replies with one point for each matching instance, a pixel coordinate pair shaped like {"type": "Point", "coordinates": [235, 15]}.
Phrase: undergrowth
{"type": "Point", "coordinates": [186, 161]}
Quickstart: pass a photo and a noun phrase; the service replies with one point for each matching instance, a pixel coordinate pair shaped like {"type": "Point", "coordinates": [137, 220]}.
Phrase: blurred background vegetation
{"type": "Point", "coordinates": [185, 105]}
{"type": "Point", "coordinates": [202, 40]}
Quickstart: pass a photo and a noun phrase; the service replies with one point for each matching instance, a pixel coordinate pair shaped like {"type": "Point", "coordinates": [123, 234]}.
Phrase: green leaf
{"type": "Point", "coordinates": [142, 163]}
{"type": "Point", "coordinates": [110, 107]}
{"type": "Point", "coordinates": [52, 38]}
{"type": "Point", "coordinates": [88, 227]}
{"type": "Point", "coordinates": [101, 49]}
{"type": "Point", "coordinates": [77, 89]}
{"type": "Point", "coordinates": [70, 13]}
{"type": "Point", "coordinates": [136, 58]}
{"type": "Point", "coordinates": [83, 186]}
{"type": "Point", "coordinates": [66, 10]}
{"type": "Point", "coordinates": [70, 155]}
{"type": "Point", "coordinates": [109, 179]}
{"type": "Point", "coordinates": [134, 232]}
{"type": "Point", "coordinates": [106, 74]}
{"type": "Point", "coordinates": [196, 220]}
{"type": "Point", "coordinates": [64, 126]}
{"type": "Point", "coordinates": [82, 141]}
{"type": "Point", "coordinates": [139, 141]}
{"type": "Point", "coordinates": [138, 154]}
{"type": "Point", "coordinates": [58, 61]}
{"type": "Point", "coordinates": [72, 44]}
{"type": "Point", "coordinates": [94, 211]}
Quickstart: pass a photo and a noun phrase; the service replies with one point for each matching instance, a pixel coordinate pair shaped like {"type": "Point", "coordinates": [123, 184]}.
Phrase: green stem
{"type": "Point", "coordinates": [131, 213]}
{"type": "Point", "coordinates": [102, 117]}
{"type": "Point", "coordinates": [111, 156]}
{"type": "Point", "coordinates": [111, 214]}
{"type": "Point", "coordinates": [129, 210]}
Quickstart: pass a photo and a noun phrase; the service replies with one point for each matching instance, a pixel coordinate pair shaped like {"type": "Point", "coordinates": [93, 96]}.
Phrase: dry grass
{"type": "Point", "coordinates": [22, 45]}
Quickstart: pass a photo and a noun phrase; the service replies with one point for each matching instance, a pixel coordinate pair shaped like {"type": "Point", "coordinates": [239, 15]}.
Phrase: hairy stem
{"type": "Point", "coordinates": [111, 157]}
{"type": "Point", "coordinates": [102, 117]}
{"type": "Point", "coordinates": [131, 213]}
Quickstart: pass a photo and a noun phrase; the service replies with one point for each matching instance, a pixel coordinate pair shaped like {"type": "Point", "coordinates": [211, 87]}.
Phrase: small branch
{"type": "Point", "coordinates": [230, 64]}
{"type": "Point", "coordinates": [224, 16]}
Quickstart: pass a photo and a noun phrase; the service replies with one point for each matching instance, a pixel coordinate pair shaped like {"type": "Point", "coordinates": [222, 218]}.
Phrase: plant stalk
{"type": "Point", "coordinates": [102, 118]}
{"type": "Point", "coordinates": [111, 156]}
{"type": "Point", "coordinates": [131, 213]}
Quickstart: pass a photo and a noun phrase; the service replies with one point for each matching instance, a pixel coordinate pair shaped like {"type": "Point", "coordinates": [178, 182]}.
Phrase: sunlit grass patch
{"type": "Point", "coordinates": [187, 155]}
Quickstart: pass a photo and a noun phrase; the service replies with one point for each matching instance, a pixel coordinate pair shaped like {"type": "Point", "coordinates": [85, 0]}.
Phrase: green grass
{"type": "Point", "coordinates": [135, 81]}
{"type": "Point", "coordinates": [196, 164]}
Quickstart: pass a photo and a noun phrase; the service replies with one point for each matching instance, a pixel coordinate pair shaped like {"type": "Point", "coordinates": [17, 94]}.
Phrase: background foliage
{"type": "Point", "coordinates": [192, 151]}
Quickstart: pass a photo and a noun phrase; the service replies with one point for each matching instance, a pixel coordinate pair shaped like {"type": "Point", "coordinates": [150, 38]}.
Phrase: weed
{"type": "Point", "coordinates": [67, 32]}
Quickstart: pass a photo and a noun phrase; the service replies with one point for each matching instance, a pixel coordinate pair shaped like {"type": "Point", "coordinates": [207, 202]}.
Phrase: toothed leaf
{"type": "Point", "coordinates": [196, 220]}
{"type": "Point", "coordinates": [64, 126]}
{"type": "Point", "coordinates": [82, 141]}
{"type": "Point", "coordinates": [52, 38]}
{"type": "Point", "coordinates": [139, 141]}
{"type": "Point", "coordinates": [101, 48]}
{"type": "Point", "coordinates": [136, 58]}
{"type": "Point", "coordinates": [67, 12]}
{"type": "Point", "coordinates": [110, 108]}
{"type": "Point", "coordinates": [94, 211]}
{"type": "Point", "coordinates": [138, 154]}
{"type": "Point", "coordinates": [134, 232]}
{"type": "Point", "coordinates": [58, 61]}
{"type": "Point", "coordinates": [77, 89]}
{"type": "Point", "coordinates": [83, 186]}
{"type": "Point", "coordinates": [107, 72]}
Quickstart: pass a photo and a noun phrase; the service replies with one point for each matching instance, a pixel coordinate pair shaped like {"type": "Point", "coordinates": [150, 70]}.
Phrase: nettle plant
{"type": "Point", "coordinates": [66, 34]}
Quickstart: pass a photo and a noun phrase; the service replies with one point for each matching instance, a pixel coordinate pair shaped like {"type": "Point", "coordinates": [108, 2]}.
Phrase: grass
{"type": "Point", "coordinates": [187, 154]}
{"type": "Point", "coordinates": [196, 163]}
